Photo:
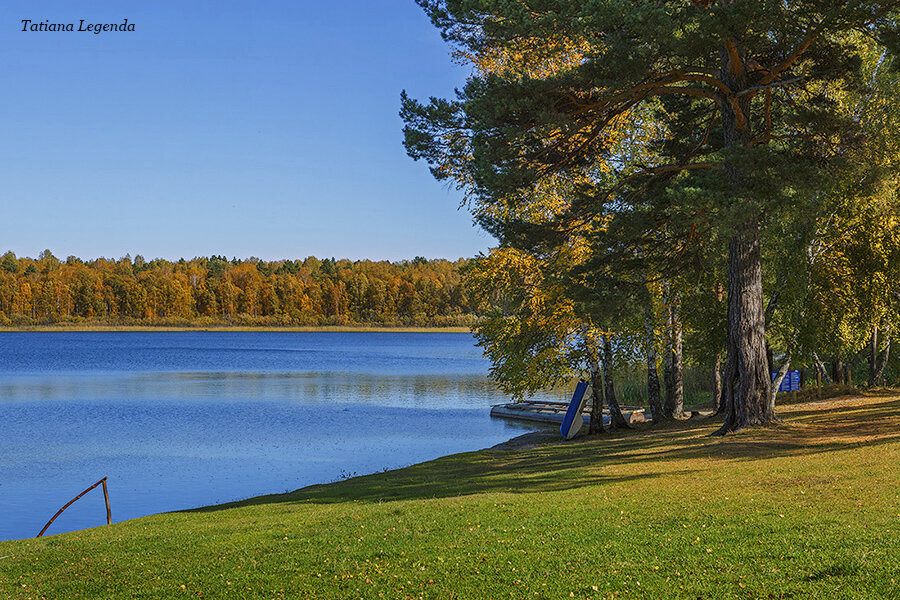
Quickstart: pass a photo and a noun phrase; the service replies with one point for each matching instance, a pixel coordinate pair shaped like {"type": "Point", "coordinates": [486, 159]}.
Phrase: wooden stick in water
{"type": "Point", "coordinates": [106, 498]}
{"type": "Point", "coordinates": [72, 501]}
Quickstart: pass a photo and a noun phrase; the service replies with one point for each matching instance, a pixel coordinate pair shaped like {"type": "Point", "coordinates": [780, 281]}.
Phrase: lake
{"type": "Point", "coordinates": [179, 420]}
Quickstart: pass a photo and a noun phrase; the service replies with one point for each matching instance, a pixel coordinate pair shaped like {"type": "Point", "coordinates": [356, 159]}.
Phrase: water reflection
{"type": "Point", "coordinates": [461, 391]}
{"type": "Point", "coordinates": [184, 420]}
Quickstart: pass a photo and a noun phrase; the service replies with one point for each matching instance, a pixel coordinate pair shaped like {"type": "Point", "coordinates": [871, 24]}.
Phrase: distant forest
{"type": "Point", "coordinates": [214, 291]}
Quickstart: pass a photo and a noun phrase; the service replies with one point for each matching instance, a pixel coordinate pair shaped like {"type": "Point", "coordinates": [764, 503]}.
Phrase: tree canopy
{"type": "Point", "coordinates": [672, 134]}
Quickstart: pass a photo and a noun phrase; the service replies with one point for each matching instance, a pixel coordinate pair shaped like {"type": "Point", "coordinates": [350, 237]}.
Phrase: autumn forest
{"type": "Point", "coordinates": [216, 291]}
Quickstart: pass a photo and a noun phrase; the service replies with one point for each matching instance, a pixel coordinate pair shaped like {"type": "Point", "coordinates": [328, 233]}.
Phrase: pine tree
{"type": "Point", "coordinates": [730, 106]}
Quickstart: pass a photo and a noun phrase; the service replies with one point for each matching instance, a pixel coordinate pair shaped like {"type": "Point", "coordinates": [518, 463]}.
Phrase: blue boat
{"type": "Point", "coordinates": [573, 420]}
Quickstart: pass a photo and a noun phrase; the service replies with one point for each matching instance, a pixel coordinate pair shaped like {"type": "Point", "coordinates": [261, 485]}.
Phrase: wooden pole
{"type": "Point", "coordinates": [106, 498]}
{"type": "Point", "coordinates": [72, 501]}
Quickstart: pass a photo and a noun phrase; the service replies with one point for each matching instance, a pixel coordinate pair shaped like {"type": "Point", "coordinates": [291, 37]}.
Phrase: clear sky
{"type": "Point", "coordinates": [244, 128]}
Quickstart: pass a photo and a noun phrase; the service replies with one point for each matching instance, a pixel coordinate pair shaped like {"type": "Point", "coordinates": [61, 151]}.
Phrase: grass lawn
{"type": "Point", "coordinates": [810, 509]}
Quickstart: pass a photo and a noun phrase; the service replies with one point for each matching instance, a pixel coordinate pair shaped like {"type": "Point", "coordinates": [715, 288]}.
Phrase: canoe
{"type": "Point", "coordinates": [573, 420]}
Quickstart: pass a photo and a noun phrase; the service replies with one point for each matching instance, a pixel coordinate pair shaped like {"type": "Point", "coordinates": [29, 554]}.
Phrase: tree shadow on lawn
{"type": "Point", "coordinates": [530, 471]}
{"type": "Point", "coordinates": [647, 451]}
{"type": "Point", "coordinates": [827, 409]}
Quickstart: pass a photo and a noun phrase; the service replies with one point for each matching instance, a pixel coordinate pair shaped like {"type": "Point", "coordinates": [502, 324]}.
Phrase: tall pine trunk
{"type": "Point", "coordinates": [747, 380]}
{"type": "Point", "coordinates": [747, 385]}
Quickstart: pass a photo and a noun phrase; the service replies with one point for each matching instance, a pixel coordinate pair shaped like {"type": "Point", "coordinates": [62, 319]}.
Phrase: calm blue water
{"type": "Point", "coordinates": [187, 419]}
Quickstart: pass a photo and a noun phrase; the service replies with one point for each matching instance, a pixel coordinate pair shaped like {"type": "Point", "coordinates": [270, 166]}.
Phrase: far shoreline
{"type": "Point", "coordinates": [226, 329]}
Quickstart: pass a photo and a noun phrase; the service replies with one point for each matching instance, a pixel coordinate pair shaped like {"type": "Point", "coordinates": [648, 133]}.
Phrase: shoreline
{"type": "Point", "coordinates": [226, 329]}
{"type": "Point", "coordinates": [522, 441]}
{"type": "Point", "coordinates": [529, 440]}
{"type": "Point", "coordinates": [443, 528]}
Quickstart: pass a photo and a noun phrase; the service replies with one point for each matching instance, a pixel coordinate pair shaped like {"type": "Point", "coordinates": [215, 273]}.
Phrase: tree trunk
{"type": "Point", "coordinates": [677, 361]}
{"type": "Point", "coordinates": [848, 374]}
{"type": "Point", "coordinates": [837, 370]}
{"type": "Point", "coordinates": [820, 368]}
{"type": "Point", "coordinates": [653, 398]}
{"type": "Point", "coordinates": [873, 356]}
{"type": "Point", "coordinates": [596, 424]}
{"type": "Point", "coordinates": [748, 382]}
{"type": "Point", "coordinates": [776, 383]}
{"type": "Point", "coordinates": [616, 419]}
{"type": "Point", "coordinates": [747, 377]}
{"type": "Point", "coordinates": [673, 373]}
{"type": "Point", "coordinates": [718, 396]}
{"type": "Point", "coordinates": [668, 380]}
{"type": "Point", "coordinates": [882, 358]}
{"type": "Point", "coordinates": [667, 350]}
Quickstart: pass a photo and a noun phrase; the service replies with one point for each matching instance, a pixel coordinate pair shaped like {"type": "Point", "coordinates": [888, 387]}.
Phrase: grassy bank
{"type": "Point", "coordinates": [806, 510]}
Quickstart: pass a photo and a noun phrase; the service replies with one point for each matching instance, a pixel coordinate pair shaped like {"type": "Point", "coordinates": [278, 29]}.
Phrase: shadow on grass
{"type": "Point", "coordinates": [842, 569]}
{"type": "Point", "coordinates": [655, 451]}
{"type": "Point", "coordinates": [872, 406]}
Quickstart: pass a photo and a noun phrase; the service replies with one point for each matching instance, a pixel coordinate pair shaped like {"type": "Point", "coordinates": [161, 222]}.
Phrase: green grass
{"type": "Point", "coordinates": [809, 509]}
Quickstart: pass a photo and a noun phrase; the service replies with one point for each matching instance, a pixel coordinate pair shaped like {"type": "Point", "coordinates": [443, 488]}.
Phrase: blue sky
{"type": "Point", "coordinates": [265, 129]}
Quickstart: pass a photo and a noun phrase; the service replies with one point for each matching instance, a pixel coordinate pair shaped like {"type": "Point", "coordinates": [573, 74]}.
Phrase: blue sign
{"type": "Point", "coordinates": [790, 383]}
